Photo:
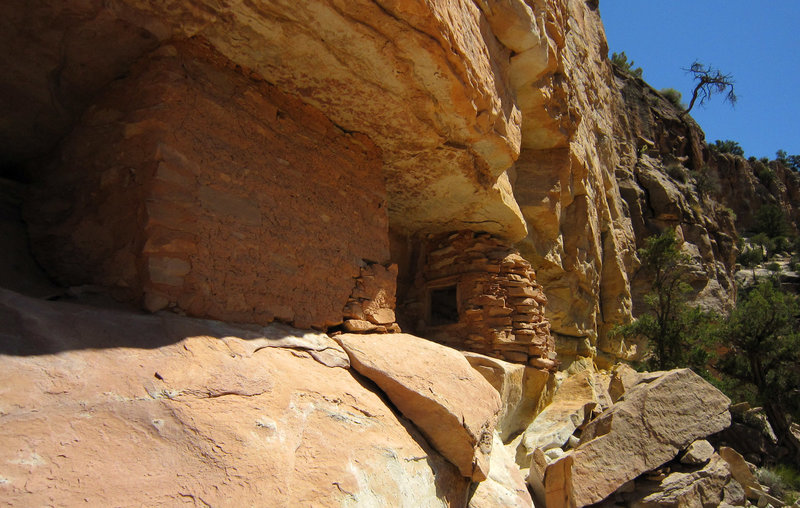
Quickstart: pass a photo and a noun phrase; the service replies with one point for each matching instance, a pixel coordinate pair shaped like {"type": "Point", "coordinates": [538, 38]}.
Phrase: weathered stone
{"type": "Point", "coordinates": [647, 428]}
{"type": "Point", "coordinates": [523, 391]}
{"type": "Point", "coordinates": [572, 404]}
{"type": "Point", "coordinates": [359, 326]}
{"type": "Point", "coordinates": [697, 453]}
{"type": "Point", "coordinates": [437, 389]}
{"type": "Point", "coordinates": [740, 471]}
{"type": "Point", "coordinates": [109, 408]}
{"type": "Point", "coordinates": [381, 316]}
{"type": "Point", "coordinates": [710, 486]}
{"type": "Point", "coordinates": [624, 377]}
{"type": "Point", "coordinates": [504, 486]}
{"type": "Point", "coordinates": [535, 479]}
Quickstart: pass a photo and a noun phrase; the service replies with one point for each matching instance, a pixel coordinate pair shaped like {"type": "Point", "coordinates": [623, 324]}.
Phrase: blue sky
{"type": "Point", "coordinates": [758, 43]}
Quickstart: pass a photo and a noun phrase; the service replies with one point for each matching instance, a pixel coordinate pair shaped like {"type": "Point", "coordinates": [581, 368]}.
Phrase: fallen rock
{"type": "Point", "coordinates": [697, 453]}
{"type": "Point", "coordinates": [741, 471]}
{"type": "Point", "coordinates": [624, 377]}
{"type": "Point", "coordinates": [505, 486]}
{"type": "Point", "coordinates": [573, 402]}
{"type": "Point", "coordinates": [536, 476]}
{"type": "Point", "coordinates": [120, 409]}
{"type": "Point", "coordinates": [522, 391]}
{"type": "Point", "coordinates": [436, 388]}
{"type": "Point", "coordinates": [647, 428]}
{"type": "Point", "coordinates": [710, 486]}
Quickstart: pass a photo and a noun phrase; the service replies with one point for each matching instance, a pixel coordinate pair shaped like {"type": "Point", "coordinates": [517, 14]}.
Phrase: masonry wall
{"type": "Point", "coordinates": [192, 185]}
{"type": "Point", "coordinates": [475, 293]}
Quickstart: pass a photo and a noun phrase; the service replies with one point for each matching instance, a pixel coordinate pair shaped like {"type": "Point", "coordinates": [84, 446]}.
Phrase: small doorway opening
{"type": "Point", "coordinates": [443, 309]}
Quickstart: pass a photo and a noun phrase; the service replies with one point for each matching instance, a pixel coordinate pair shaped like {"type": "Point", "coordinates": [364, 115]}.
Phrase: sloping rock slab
{"type": "Point", "coordinates": [572, 404]}
{"type": "Point", "coordinates": [126, 411]}
{"type": "Point", "coordinates": [505, 487]}
{"type": "Point", "coordinates": [647, 428]}
{"type": "Point", "coordinates": [436, 388]}
{"type": "Point", "coordinates": [521, 389]}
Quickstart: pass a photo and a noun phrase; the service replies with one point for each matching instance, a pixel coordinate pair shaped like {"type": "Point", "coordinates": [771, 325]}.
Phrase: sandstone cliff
{"type": "Point", "coordinates": [474, 172]}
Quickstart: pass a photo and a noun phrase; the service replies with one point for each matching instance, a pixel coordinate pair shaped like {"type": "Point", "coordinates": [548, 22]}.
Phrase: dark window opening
{"type": "Point", "coordinates": [444, 306]}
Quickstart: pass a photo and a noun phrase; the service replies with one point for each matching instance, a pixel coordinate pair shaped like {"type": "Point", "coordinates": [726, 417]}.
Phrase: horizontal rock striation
{"type": "Point", "coordinates": [190, 185]}
{"type": "Point", "coordinates": [474, 292]}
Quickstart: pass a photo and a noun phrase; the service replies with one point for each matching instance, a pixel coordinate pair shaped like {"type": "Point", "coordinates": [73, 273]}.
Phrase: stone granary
{"type": "Point", "coordinates": [474, 292]}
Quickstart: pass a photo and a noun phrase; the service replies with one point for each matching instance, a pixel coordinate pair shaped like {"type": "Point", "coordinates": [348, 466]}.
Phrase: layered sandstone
{"type": "Point", "coordinates": [424, 118]}
{"type": "Point", "coordinates": [580, 241]}
{"type": "Point", "coordinates": [190, 185]}
{"type": "Point", "coordinates": [424, 81]}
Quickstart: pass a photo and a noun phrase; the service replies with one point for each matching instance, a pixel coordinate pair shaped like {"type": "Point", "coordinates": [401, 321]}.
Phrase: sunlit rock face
{"type": "Point", "coordinates": [580, 239]}
{"type": "Point", "coordinates": [499, 117]}
{"type": "Point", "coordinates": [426, 81]}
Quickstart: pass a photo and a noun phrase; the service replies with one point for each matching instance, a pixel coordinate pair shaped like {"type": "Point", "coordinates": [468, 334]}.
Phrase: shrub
{"type": "Point", "coordinates": [780, 481]}
{"type": "Point", "coordinates": [704, 182]}
{"type": "Point", "coordinates": [781, 244]}
{"type": "Point", "coordinates": [765, 175]}
{"type": "Point", "coordinates": [727, 211]}
{"type": "Point", "coordinates": [769, 219]}
{"type": "Point", "coordinates": [790, 161]}
{"type": "Point", "coordinates": [750, 257]}
{"type": "Point", "coordinates": [676, 172]}
{"type": "Point", "coordinates": [772, 481]}
{"type": "Point", "coordinates": [621, 61]}
{"type": "Point", "coordinates": [673, 96]}
{"type": "Point", "coordinates": [727, 146]}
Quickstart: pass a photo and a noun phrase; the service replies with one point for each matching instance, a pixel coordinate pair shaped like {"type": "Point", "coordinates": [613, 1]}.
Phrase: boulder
{"type": "Point", "coordinates": [436, 388]}
{"type": "Point", "coordinates": [624, 377]}
{"type": "Point", "coordinates": [697, 453]}
{"type": "Point", "coordinates": [505, 486]}
{"type": "Point", "coordinates": [536, 472]}
{"type": "Point", "coordinates": [522, 389]}
{"type": "Point", "coordinates": [741, 471]}
{"type": "Point", "coordinates": [573, 402]}
{"type": "Point", "coordinates": [710, 486]}
{"type": "Point", "coordinates": [647, 428]}
{"type": "Point", "coordinates": [109, 408]}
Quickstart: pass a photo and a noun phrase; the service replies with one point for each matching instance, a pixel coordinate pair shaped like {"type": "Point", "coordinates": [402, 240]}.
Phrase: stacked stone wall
{"type": "Point", "coordinates": [500, 306]}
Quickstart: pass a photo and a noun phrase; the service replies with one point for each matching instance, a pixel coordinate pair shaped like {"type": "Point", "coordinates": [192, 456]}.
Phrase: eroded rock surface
{"type": "Point", "coordinates": [189, 185]}
{"type": "Point", "coordinates": [523, 390]}
{"type": "Point", "coordinates": [710, 486]}
{"type": "Point", "coordinates": [505, 486]}
{"type": "Point", "coordinates": [437, 389]}
{"type": "Point", "coordinates": [114, 408]}
{"type": "Point", "coordinates": [575, 400]}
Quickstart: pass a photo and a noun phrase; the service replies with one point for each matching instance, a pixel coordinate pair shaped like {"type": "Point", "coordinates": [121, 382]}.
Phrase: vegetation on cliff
{"type": "Point", "coordinates": [752, 353]}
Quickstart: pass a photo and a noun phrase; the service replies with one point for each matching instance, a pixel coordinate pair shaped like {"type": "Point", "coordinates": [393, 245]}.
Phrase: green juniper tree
{"type": "Point", "coordinates": [621, 61]}
{"type": "Point", "coordinates": [761, 340]}
{"type": "Point", "coordinates": [674, 330]}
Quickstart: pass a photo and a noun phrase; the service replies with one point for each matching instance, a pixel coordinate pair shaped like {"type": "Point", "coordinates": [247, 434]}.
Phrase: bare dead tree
{"type": "Point", "coordinates": [710, 81]}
